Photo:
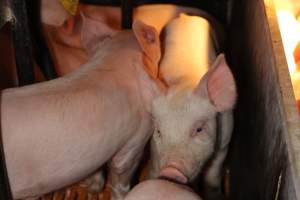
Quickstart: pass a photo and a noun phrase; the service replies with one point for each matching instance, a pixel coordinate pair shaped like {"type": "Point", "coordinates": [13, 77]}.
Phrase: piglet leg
{"type": "Point", "coordinates": [213, 176]}
{"type": "Point", "coordinates": [121, 170]}
{"type": "Point", "coordinates": [125, 162]}
{"type": "Point", "coordinates": [95, 183]}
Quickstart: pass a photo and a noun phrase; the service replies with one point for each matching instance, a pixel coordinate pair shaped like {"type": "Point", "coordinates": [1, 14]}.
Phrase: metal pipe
{"type": "Point", "coordinates": [22, 43]}
{"type": "Point", "coordinates": [127, 10]}
{"type": "Point", "coordinates": [41, 52]}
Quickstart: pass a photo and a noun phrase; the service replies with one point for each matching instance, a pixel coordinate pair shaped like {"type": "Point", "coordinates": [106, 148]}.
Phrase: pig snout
{"type": "Point", "coordinates": [172, 173]}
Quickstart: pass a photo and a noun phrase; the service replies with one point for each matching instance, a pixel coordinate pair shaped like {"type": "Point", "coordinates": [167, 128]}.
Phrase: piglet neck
{"type": "Point", "coordinates": [115, 49]}
{"type": "Point", "coordinates": [149, 87]}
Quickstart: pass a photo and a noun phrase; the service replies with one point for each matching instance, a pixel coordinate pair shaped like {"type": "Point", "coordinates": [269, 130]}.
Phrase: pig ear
{"type": "Point", "coordinates": [218, 85]}
{"type": "Point", "coordinates": [93, 32]}
{"type": "Point", "coordinates": [82, 32]}
{"type": "Point", "coordinates": [53, 12]}
{"type": "Point", "coordinates": [148, 39]}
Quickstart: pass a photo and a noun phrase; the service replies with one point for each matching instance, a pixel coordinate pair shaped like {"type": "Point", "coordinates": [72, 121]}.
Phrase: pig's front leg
{"type": "Point", "coordinates": [213, 176]}
{"type": "Point", "coordinates": [121, 170]}
{"type": "Point", "coordinates": [95, 183]}
{"type": "Point", "coordinates": [125, 162]}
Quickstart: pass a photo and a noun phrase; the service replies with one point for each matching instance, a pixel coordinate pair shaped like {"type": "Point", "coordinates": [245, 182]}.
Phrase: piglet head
{"type": "Point", "coordinates": [185, 118]}
{"type": "Point", "coordinates": [53, 12]}
{"type": "Point", "coordinates": [81, 31]}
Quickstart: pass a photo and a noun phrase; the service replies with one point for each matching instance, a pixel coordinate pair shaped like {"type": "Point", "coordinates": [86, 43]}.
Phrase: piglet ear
{"type": "Point", "coordinates": [148, 39]}
{"type": "Point", "coordinates": [218, 85]}
{"type": "Point", "coordinates": [53, 13]}
{"type": "Point", "coordinates": [94, 32]}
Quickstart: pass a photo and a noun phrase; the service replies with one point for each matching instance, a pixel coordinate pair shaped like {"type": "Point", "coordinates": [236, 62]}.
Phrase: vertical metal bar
{"type": "Point", "coordinates": [127, 9]}
{"type": "Point", "coordinates": [41, 52]}
{"type": "Point", "coordinates": [5, 192]}
{"type": "Point", "coordinates": [22, 43]}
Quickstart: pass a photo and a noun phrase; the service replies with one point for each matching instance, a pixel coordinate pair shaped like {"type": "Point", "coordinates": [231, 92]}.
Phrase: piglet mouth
{"type": "Point", "coordinates": [172, 173]}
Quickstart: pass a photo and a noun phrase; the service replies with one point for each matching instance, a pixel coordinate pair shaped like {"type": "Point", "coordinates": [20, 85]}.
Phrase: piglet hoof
{"type": "Point", "coordinates": [111, 193]}
{"type": "Point", "coordinates": [105, 194]}
{"type": "Point", "coordinates": [95, 183]}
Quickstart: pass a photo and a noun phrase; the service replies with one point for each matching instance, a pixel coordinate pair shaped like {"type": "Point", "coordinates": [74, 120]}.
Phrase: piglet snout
{"type": "Point", "coordinates": [173, 173]}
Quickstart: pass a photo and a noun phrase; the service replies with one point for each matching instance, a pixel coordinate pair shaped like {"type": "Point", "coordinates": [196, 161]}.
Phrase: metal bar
{"type": "Point", "coordinates": [41, 52]}
{"type": "Point", "coordinates": [217, 8]}
{"type": "Point", "coordinates": [5, 192]}
{"type": "Point", "coordinates": [127, 10]}
{"type": "Point", "coordinates": [22, 43]}
{"type": "Point", "coordinates": [5, 14]}
{"type": "Point", "coordinates": [102, 2]}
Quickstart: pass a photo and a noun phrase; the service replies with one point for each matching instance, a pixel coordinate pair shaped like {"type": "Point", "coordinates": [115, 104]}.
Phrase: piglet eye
{"type": "Point", "coordinates": [198, 130]}
{"type": "Point", "coordinates": [158, 132]}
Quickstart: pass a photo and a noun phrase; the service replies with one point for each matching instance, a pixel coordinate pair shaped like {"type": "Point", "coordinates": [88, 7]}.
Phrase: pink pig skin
{"type": "Point", "coordinates": [60, 28]}
{"type": "Point", "coordinates": [56, 133]}
{"type": "Point", "coordinates": [53, 13]}
{"type": "Point", "coordinates": [201, 85]}
{"type": "Point", "coordinates": [64, 40]}
{"type": "Point", "coordinates": [161, 190]}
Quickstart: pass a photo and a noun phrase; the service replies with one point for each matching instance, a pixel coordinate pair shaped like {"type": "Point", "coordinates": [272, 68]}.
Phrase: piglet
{"type": "Point", "coordinates": [64, 39]}
{"type": "Point", "coordinates": [60, 28]}
{"type": "Point", "coordinates": [53, 12]}
{"type": "Point", "coordinates": [161, 190]}
{"type": "Point", "coordinates": [98, 114]}
{"type": "Point", "coordinates": [193, 121]}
